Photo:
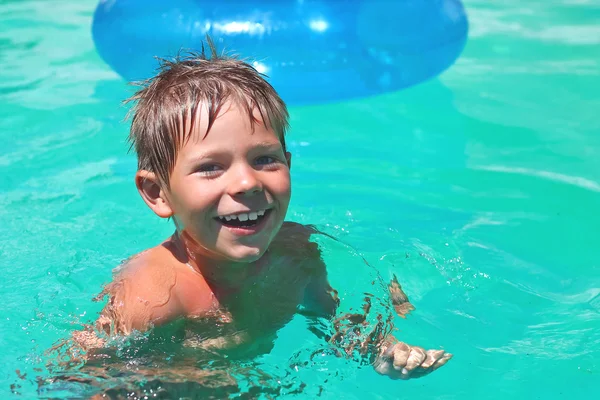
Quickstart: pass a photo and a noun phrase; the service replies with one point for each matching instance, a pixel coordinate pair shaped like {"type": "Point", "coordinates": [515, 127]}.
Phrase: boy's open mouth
{"type": "Point", "coordinates": [244, 220]}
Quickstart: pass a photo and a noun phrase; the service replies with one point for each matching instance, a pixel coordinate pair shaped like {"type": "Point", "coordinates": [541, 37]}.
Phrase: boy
{"type": "Point", "coordinates": [209, 134]}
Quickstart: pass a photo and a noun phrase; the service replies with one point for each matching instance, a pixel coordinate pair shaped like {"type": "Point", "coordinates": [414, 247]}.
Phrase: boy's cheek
{"type": "Point", "coordinates": [281, 188]}
{"type": "Point", "coordinates": [285, 195]}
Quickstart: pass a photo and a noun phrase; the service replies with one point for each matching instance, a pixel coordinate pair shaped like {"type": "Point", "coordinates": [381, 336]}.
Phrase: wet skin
{"type": "Point", "coordinates": [234, 281]}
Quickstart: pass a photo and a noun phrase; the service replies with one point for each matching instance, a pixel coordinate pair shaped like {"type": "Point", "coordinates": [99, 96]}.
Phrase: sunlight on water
{"type": "Point", "coordinates": [478, 190]}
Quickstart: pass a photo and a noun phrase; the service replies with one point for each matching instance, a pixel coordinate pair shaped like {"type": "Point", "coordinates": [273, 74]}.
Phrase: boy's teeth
{"type": "Point", "coordinates": [252, 216]}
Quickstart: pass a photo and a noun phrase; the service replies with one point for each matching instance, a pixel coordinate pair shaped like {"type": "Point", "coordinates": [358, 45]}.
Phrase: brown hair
{"type": "Point", "coordinates": [165, 109]}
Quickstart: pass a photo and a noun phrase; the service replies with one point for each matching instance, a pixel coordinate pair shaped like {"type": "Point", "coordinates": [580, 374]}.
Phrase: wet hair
{"type": "Point", "coordinates": [166, 106]}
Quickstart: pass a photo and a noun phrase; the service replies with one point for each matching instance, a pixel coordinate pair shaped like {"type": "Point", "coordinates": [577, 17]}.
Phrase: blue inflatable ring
{"type": "Point", "coordinates": [312, 50]}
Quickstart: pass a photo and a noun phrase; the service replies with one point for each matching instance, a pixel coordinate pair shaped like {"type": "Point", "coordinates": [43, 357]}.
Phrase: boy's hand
{"type": "Point", "coordinates": [402, 361]}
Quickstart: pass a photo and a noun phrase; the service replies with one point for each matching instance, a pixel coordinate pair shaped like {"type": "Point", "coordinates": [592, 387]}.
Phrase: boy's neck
{"type": "Point", "coordinates": [221, 274]}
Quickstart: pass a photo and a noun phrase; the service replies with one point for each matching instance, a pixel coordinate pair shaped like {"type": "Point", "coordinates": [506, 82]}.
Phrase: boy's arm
{"type": "Point", "coordinates": [388, 355]}
{"type": "Point", "coordinates": [352, 332]}
{"type": "Point", "coordinates": [320, 299]}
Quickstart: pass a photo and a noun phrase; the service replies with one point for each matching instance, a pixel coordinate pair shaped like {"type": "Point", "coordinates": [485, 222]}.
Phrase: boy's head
{"type": "Point", "coordinates": [165, 108]}
{"type": "Point", "coordinates": [209, 135]}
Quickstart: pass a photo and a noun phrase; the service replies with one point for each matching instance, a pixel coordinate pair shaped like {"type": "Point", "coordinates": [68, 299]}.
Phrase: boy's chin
{"type": "Point", "coordinates": [246, 255]}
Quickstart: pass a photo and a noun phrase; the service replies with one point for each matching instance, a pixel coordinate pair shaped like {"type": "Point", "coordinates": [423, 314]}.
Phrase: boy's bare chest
{"type": "Point", "coordinates": [266, 303]}
{"type": "Point", "coordinates": [251, 312]}
{"type": "Point", "coordinates": [267, 300]}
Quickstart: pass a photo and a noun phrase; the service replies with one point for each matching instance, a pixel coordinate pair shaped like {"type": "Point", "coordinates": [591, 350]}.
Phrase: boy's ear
{"type": "Point", "coordinates": [148, 186]}
{"type": "Point", "coordinates": [288, 157]}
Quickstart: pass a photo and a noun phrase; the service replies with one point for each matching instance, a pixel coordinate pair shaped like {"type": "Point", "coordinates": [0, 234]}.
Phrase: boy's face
{"type": "Point", "coordinates": [230, 190]}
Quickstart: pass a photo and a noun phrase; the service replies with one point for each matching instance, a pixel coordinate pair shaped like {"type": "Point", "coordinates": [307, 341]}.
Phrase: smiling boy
{"type": "Point", "coordinates": [209, 134]}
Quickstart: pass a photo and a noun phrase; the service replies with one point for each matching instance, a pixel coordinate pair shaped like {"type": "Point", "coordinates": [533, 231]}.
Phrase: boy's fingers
{"type": "Point", "coordinates": [401, 353]}
{"type": "Point", "coordinates": [432, 357]}
{"type": "Point", "coordinates": [410, 361]}
{"type": "Point", "coordinates": [415, 359]}
{"type": "Point", "coordinates": [445, 358]}
{"type": "Point", "coordinates": [387, 353]}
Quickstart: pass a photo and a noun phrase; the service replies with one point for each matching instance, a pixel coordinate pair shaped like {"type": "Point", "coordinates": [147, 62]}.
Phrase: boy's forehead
{"type": "Point", "coordinates": [231, 132]}
{"type": "Point", "coordinates": [231, 116]}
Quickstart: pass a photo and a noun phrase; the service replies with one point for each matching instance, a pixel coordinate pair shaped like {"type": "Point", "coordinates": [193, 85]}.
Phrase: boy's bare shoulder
{"type": "Point", "coordinates": [155, 287]}
{"type": "Point", "coordinates": [294, 230]}
{"type": "Point", "coordinates": [151, 269]}
{"type": "Point", "coordinates": [294, 240]}
{"type": "Point", "coordinates": [143, 291]}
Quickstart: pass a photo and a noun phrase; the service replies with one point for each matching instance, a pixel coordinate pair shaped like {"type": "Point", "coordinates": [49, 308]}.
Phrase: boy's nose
{"type": "Point", "coordinates": [245, 183]}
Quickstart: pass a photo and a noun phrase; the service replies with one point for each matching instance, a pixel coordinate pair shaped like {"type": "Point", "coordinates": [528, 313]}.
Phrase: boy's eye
{"type": "Point", "coordinates": [209, 169]}
{"type": "Point", "coordinates": [265, 160]}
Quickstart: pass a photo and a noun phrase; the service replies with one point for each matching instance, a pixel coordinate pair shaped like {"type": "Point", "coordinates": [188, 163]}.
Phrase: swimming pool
{"type": "Point", "coordinates": [480, 190]}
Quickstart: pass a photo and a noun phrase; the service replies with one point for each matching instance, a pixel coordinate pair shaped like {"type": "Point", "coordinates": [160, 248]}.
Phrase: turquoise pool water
{"type": "Point", "coordinates": [480, 190]}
